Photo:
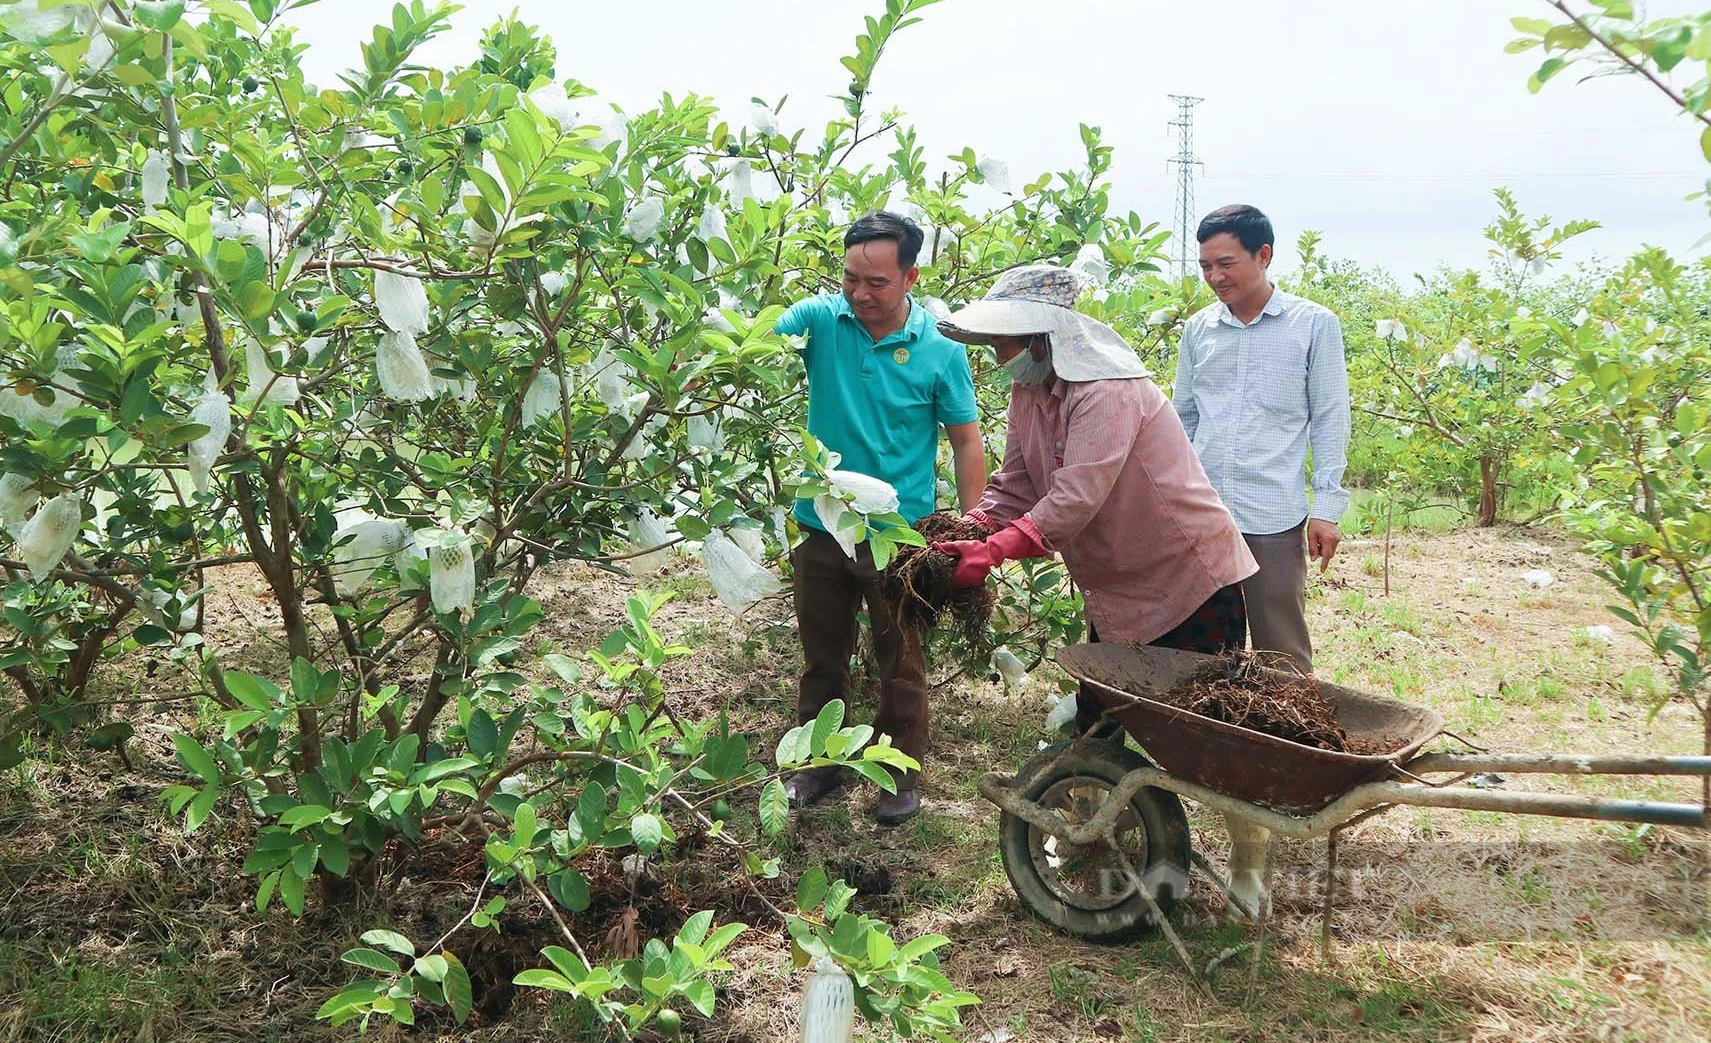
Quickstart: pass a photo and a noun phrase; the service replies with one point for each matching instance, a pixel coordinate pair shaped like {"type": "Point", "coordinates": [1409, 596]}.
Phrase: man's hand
{"type": "Point", "coordinates": [974, 560]}
{"type": "Point", "coordinates": [1322, 539]}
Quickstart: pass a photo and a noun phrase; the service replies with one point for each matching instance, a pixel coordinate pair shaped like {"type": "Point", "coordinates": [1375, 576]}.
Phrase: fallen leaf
{"type": "Point", "coordinates": [621, 939]}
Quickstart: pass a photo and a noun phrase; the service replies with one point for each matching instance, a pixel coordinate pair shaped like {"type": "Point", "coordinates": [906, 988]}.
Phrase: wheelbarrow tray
{"type": "Point", "coordinates": [1234, 761]}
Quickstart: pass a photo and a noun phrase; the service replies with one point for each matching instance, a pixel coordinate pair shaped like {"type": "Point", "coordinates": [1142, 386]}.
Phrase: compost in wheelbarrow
{"type": "Point", "coordinates": [1234, 761]}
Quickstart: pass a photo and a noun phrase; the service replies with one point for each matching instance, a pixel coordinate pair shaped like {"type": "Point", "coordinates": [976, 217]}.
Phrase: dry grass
{"type": "Point", "coordinates": [1452, 926]}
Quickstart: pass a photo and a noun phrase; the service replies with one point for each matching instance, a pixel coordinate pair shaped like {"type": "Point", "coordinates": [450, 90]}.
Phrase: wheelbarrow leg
{"type": "Point", "coordinates": [1250, 859]}
{"type": "Point", "coordinates": [1264, 923]}
{"type": "Point", "coordinates": [1330, 893]}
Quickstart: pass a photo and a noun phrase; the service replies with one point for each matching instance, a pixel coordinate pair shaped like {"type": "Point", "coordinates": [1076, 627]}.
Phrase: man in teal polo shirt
{"type": "Point", "coordinates": [882, 380]}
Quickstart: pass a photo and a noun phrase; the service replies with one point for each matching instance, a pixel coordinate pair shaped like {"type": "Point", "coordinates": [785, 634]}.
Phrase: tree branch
{"type": "Point", "coordinates": [1633, 64]}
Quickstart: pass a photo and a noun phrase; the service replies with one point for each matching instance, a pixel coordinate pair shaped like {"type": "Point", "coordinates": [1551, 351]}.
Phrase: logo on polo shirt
{"type": "Point", "coordinates": [900, 356]}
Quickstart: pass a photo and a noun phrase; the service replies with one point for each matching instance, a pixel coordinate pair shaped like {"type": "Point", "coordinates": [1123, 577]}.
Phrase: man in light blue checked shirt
{"type": "Point", "coordinates": [1260, 380]}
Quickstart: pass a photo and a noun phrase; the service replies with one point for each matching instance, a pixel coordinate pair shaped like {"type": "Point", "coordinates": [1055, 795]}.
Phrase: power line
{"type": "Point", "coordinates": [1185, 162]}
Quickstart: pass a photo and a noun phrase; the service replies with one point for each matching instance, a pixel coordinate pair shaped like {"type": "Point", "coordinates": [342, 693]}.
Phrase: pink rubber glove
{"type": "Point", "coordinates": [976, 558]}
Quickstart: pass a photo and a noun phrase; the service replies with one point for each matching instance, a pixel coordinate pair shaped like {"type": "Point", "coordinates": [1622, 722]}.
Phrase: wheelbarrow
{"type": "Point", "coordinates": [1094, 839]}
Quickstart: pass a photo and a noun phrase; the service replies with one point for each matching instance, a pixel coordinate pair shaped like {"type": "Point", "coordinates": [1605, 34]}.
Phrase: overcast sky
{"type": "Point", "coordinates": [1384, 125]}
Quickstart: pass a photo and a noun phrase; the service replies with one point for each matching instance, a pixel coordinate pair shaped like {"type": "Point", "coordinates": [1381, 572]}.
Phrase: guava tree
{"type": "Point", "coordinates": [388, 348]}
{"type": "Point", "coordinates": [1447, 364]}
{"type": "Point", "coordinates": [1636, 410]}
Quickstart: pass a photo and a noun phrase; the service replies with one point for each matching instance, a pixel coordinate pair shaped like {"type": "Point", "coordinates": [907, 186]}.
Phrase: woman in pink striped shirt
{"type": "Point", "coordinates": [1098, 469]}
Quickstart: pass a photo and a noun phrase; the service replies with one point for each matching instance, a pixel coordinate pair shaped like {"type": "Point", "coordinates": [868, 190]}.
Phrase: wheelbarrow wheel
{"type": "Point", "coordinates": [1086, 891]}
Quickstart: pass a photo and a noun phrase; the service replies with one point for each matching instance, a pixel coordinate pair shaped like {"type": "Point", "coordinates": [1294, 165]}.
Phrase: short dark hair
{"type": "Point", "coordinates": [1250, 227]}
{"type": "Point", "coordinates": [883, 224]}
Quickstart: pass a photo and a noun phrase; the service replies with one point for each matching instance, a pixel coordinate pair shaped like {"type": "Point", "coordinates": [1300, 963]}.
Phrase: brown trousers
{"type": "Point", "coordinates": [830, 590]}
{"type": "Point", "coordinates": [1277, 596]}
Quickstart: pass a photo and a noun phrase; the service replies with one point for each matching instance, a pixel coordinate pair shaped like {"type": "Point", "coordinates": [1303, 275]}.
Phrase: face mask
{"type": "Point", "coordinates": [1025, 369]}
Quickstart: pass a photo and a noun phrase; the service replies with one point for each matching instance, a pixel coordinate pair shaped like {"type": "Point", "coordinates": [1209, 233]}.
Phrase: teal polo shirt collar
{"type": "Point", "coordinates": [912, 328]}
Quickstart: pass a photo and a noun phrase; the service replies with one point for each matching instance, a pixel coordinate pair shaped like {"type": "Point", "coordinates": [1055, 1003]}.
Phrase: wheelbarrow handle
{"type": "Point", "coordinates": [1557, 764]}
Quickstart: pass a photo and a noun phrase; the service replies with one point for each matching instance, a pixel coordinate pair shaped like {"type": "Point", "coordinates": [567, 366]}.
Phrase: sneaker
{"type": "Point", "coordinates": [895, 808]}
{"type": "Point", "coordinates": [806, 787]}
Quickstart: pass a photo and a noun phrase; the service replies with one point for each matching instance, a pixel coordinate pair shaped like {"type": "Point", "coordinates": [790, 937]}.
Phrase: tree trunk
{"type": "Point", "coordinates": [1487, 492]}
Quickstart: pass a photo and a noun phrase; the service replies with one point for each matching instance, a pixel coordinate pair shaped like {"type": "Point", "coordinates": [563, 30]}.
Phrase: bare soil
{"type": "Point", "coordinates": [1448, 925]}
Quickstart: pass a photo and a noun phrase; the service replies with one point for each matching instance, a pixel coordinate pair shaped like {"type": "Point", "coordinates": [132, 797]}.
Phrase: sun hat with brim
{"type": "Point", "coordinates": [1041, 298]}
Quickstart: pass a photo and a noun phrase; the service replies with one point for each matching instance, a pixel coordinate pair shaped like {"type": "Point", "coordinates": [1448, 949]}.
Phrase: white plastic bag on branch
{"type": "Point", "coordinates": [1062, 714]}
{"type": "Point", "coordinates": [742, 183]}
{"type": "Point", "coordinates": [898, 202]}
{"type": "Point", "coordinates": [737, 580]}
{"type": "Point", "coordinates": [17, 495]}
{"type": "Point", "coordinates": [556, 106]}
{"type": "Point", "coordinates": [161, 601]}
{"type": "Point", "coordinates": [995, 172]}
{"type": "Point", "coordinates": [154, 179]}
{"type": "Point", "coordinates": [642, 221]}
{"type": "Point", "coordinates": [543, 398]}
{"type": "Point", "coordinates": [828, 1005]}
{"type": "Point", "coordinates": [864, 494]}
{"type": "Point", "coordinates": [712, 224]}
{"type": "Point", "coordinates": [942, 240]}
{"type": "Point", "coordinates": [451, 574]}
{"type": "Point", "coordinates": [402, 370]}
{"type": "Point", "coordinates": [615, 131]}
{"type": "Point", "coordinates": [251, 226]}
{"type": "Point", "coordinates": [706, 432]}
{"type": "Point", "coordinates": [715, 319]}
{"type": "Point", "coordinates": [648, 539]}
{"type": "Point", "coordinates": [27, 411]}
{"type": "Point", "coordinates": [213, 410]}
{"type": "Point", "coordinates": [552, 283]}
{"type": "Point", "coordinates": [763, 120]}
{"type": "Point", "coordinates": [612, 377]}
{"type": "Point", "coordinates": [937, 308]}
{"type": "Point", "coordinates": [30, 22]}
{"type": "Point", "coordinates": [49, 533]}
{"type": "Point", "coordinates": [631, 405]}
{"type": "Point", "coordinates": [280, 391]}
{"type": "Point", "coordinates": [361, 548]}
{"type": "Point", "coordinates": [829, 509]}
{"type": "Point", "coordinates": [646, 440]}
{"type": "Point", "coordinates": [403, 302]}
{"type": "Point", "coordinates": [317, 350]}
{"type": "Point", "coordinates": [867, 494]}
{"type": "Point", "coordinates": [751, 542]}
{"type": "Point", "coordinates": [1010, 668]}
{"type": "Point", "coordinates": [1091, 265]}
{"type": "Point", "coordinates": [460, 388]}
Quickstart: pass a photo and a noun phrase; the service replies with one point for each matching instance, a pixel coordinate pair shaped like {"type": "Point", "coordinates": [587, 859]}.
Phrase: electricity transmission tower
{"type": "Point", "coordinates": [1185, 162]}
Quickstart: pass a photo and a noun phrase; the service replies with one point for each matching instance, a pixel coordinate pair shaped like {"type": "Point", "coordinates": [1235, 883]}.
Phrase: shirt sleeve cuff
{"type": "Point", "coordinates": [1026, 524]}
{"type": "Point", "coordinates": [1330, 507]}
{"type": "Point", "coordinates": [984, 520]}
